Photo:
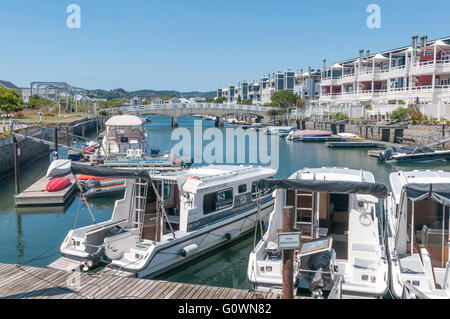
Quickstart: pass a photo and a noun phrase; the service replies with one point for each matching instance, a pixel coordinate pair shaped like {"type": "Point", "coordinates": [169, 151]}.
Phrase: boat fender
{"type": "Point", "coordinates": [231, 235]}
{"type": "Point", "coordinates": [189, 250]}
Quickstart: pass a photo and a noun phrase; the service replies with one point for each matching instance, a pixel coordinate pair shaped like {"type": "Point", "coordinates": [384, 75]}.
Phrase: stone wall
{"type": "Point", "coordinates": [413, 131]}
{"type": "Point", "coordinates": [30, 152]}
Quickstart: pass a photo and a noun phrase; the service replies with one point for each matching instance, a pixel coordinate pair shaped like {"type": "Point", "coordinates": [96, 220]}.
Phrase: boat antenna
{"type": "Point", "coordinates": [258, 208]}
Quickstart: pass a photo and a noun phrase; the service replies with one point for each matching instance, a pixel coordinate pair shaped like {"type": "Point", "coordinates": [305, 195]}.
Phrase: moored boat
{"type": "Point", "coordinates": [337, 208]}
{"type": "Point", "coordinates": [418, 234]}
{"type": "Point", "coordinates": [165, 220]}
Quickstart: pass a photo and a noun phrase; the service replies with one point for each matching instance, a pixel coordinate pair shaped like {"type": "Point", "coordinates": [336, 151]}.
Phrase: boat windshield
{"type": "Point", "coordinates": [427, 227]}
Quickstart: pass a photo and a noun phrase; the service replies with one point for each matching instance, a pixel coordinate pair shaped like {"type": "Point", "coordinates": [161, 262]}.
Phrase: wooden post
{"type": "Point", "coordinates": [68, 138]}
{"type": "Point", "coordinates": [16, 166]}
{"type": "Point", "coordinates": [56, 143]}
{"type": "Point", "coordinates": [288, 255]}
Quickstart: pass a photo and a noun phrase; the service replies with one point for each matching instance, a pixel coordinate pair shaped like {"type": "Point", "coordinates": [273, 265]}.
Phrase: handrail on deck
{"type": "Point", "coordinates": [411, 292]}
{"type": "Point", "coordinates": [336, 291]}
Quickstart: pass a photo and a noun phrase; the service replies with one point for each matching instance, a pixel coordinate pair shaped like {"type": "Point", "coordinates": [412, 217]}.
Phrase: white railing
{"type": "Point", "coordinates": [191, 106]}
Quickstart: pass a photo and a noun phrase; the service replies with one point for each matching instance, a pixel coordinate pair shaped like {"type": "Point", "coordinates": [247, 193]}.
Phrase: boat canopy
{"type": "Point", "coordinates": [80, 169]}
{"type": "Point", "coordinates": [415, 149]}
{"type": "Point", "coordinates": [124, 120]}
{"type": "Point", "coordinates": [373, 189]}
{"type": "Point", "coordinates": [438, 192]}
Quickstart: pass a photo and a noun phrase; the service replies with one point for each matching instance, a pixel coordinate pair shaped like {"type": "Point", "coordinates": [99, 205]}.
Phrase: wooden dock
{"type": "Point", "coordinates": [355, 145]}
{"type": "Point", "coordinates": [36, 194]}
{"type": "Point", "coordinates": [24, 282]}
{"type": "Point", "coordinates": [321, 139]}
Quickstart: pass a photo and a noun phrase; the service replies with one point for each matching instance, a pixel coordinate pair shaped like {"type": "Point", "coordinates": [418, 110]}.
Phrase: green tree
{"type": "Point", "coordinates": [39, 103]}
{"type": "Point", "coordinates": [220, 100]}
{"type": "Point", "coordinates": [10, 101]}
{"type": "Point", "coordinates": [284, 99]}
{"type": "Point", "coordinates": [247, 102]}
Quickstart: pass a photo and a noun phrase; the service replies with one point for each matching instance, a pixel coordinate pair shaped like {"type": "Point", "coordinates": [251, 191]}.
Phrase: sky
{"type": "Point", "coordinates": [197, 45]}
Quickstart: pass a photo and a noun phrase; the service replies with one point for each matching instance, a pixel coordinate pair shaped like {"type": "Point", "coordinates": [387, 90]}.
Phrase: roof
{"type": "Point", "coordinates": [124, 120]}
{"type": "Point", "coordinates": [334, 174]}
{"type": "Point", "coordinates": [395, 50]}
{"type": "Point", "coordinates": [8, 85]}
{"type": "Point", "coordinates": [195, 179]}
{"type": "Point", "coordinates": [399, 180]}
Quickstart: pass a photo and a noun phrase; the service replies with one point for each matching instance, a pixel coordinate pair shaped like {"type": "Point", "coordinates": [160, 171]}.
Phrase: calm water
{"type": "Point", "coordinates": [33, 235]}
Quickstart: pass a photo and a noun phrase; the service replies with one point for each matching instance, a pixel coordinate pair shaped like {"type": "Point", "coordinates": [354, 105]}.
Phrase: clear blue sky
{"type": "Point", "coordinates": [197, 44]}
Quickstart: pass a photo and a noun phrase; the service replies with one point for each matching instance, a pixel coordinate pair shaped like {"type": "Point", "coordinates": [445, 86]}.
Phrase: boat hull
{"type": "Point", "coordinates": [167, 256]}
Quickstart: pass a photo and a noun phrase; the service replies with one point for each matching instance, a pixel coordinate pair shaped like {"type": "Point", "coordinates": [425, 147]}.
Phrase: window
{"type": "Point", "coordinates": [242, 189]}
{"type": "Point", "coordinates": [217, 201]}
{"type": "Point", "coordinates": [264, 192]}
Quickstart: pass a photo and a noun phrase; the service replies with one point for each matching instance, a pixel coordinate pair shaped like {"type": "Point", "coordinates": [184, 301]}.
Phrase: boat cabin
{"type": "Point", "coordinates": [125, 135]}
{"type": "Point", "coordinates": [422, 201]}
{"type": "Point", "coordinates": [200, 197]}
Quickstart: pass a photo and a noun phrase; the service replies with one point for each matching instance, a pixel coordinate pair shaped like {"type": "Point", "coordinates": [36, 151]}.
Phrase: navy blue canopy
{"type": "Point", "coordinates": [377, 190]}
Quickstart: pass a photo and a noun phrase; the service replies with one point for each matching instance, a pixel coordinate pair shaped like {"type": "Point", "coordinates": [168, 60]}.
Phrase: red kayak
{"type": "Point", "coordinates": [58, 184]}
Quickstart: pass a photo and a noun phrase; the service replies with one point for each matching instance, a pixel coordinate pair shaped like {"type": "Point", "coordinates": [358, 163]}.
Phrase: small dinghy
{"type": "Point", "coordinates": [296, 135]}
{"type": "Point", "coordinates": [85, 178]}
{"type": "Point", "coordinates": [104, 188]}
{"type": "Point", "coordinates": [350, 136]}
{"type": "Point", "coordinates": [57, 184]}
{"type": "Point", "coordinates": [59, 168]}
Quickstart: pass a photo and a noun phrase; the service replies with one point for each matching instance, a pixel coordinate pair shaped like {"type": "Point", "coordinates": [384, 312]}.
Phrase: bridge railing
{"type": "Point", "coordinates": [198, 105]}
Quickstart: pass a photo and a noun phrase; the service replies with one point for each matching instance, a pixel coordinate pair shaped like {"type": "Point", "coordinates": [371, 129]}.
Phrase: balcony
{"type": "Point", "coordinates": [422, 92]}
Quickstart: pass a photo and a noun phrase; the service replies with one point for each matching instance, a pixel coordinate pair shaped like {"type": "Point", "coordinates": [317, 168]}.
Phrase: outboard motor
{"type": "Point", "coordinates": [319, 263]}
{"type": "Point", "coordinates": [272, 251]}
{"type": "Point", "coordinates": [387, 154]}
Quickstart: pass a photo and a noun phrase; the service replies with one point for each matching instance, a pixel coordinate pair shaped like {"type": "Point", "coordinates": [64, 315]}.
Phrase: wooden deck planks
{"type": "Point", "coordinates": [26, 282]}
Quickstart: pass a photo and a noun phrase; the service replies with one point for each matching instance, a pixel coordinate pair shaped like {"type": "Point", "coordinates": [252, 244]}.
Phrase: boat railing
{"type": "Point", "coordinates": [411, 292]}
{"type": "Point", "coordinates": [336, 291]}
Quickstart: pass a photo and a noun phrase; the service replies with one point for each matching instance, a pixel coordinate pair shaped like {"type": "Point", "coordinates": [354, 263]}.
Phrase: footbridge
{"type": "Point", "coordinates": [248, 113]}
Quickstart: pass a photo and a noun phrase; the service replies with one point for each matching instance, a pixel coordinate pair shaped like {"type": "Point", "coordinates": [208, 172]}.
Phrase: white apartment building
{"type": "Point", "coordinates": [376, 84]}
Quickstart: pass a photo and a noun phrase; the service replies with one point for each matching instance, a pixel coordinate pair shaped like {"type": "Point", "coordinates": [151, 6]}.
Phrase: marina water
{"type": "Point", "coordinates": [32, 236]}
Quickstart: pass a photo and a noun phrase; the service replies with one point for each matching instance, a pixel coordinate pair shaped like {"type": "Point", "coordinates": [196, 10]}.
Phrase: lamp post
{"type": "Point", "coordinates": [4, 122]}
{"type": "Point", "coordinates": [10, 122]}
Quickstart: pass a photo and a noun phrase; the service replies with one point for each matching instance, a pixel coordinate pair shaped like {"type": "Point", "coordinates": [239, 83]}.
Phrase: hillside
{"type": "Point", "coordinates": [122, 94]}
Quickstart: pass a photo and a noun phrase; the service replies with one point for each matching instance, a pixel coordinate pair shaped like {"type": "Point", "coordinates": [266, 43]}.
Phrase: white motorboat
{"type": "Point", "coordinates": [165, 220]}
{"type": "Point", "coordinates": [413, 153]}
{"type": "Point", "coordinates": [337, 207]}
{"type": "Point", "coordinates": [124, 133]}
{"type": "Point", "coordinates": [418, 233]}
{"type": "Point", "coordinates": [276, 130]}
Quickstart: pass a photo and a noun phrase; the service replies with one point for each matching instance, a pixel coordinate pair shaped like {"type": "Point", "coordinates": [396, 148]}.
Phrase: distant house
{"type": "Point", "coordinates": [157, 101]}
{"type": "Point", "coordinates": [9, 85]}
{"type": "Point", "coordinates": [174, 100]}
{"type": "Point", "coordinates": [136, 101]}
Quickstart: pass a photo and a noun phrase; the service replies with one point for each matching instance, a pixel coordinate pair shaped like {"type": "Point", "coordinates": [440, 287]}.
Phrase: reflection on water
{"type": "Point", "coordinates": [26, 233]}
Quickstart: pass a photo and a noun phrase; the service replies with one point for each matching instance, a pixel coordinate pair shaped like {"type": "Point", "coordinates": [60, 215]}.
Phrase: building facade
{"type": "Point", "coordinates": [376, 84]}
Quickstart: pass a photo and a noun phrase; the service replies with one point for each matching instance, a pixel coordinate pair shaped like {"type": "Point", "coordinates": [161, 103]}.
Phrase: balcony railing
{"type": "Point", "coordinates": [391, 92]}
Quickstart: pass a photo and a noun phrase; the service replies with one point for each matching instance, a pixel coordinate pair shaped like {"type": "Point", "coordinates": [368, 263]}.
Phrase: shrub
{"type": "Point", "coordinates": [341, 117]}
{"type": "Point", "coordinates": [401, 114]}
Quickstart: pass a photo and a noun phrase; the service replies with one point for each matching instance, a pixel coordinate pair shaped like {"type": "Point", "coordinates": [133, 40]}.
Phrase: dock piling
{"type": "Point", "coordinates": [16, 166]}
{"type": "Point", "coordinates": [56, 142]}
{"type": "Point", "coordinates": [288, 255]}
